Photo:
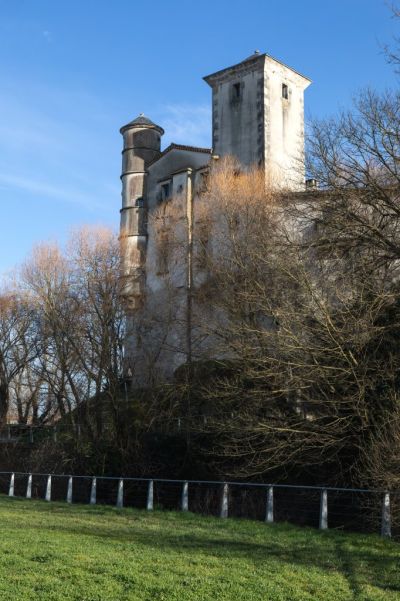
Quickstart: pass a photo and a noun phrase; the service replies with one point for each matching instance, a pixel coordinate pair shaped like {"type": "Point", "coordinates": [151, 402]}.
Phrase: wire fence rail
{"type": "Point", "coordinates": [36, 433]}
{"type": "Point", "coordinates": [351, 509]}
{"type": "Point", "coordinates": [29, 433]}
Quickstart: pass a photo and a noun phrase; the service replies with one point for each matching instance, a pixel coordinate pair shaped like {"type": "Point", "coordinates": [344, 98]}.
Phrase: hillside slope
{"type": "Point", "coordinates": [55, 552]}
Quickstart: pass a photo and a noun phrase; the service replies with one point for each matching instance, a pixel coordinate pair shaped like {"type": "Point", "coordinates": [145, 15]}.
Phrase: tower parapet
{"type": "Point", "coordinates": [142, 141]}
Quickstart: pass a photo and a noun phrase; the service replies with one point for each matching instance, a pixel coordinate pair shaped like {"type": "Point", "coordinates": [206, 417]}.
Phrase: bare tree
{"type": "Point", "coordinates": [100, 330]}
{"type": "Point", "coordinates": [302, 328]}
{"type": "Point", "coordinates": [18, 348]}
{"type": "Point", "coordinates": [79, 324]}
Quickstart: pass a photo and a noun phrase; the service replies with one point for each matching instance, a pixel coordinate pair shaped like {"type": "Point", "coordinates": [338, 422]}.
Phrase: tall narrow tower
{"type": "Point", "coordinates": [258, 117]}
{"type": "Point", "coordinates": [142, 139]}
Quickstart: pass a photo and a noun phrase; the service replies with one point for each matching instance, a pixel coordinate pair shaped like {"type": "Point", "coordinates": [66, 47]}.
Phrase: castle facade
{"type": "Point", "coordinates": [258, 118]}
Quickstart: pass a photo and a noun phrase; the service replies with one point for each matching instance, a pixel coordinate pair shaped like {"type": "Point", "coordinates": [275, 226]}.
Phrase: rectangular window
{"type": "Point", "coordinates": [163, 251]}
{"type": "Point", "coordinates": [202, 182]}
{"type": "Point", "coordinates": [285, 91]}
{"type": "Point", "coordinates": [166, 191]}
{"type": "Point", "coordinates": [236, 92]}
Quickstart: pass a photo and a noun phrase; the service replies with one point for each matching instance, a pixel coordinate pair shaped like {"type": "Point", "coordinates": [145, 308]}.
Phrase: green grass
{"type": "Point", "coordinates": [52, 551]}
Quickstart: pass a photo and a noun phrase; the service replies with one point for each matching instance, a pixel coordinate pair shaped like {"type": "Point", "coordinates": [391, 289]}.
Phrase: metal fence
{"type": "Point", "coordinates": [31, 434]}
{"type": "Point", "coordinates": [21, 433]}
{"type": "Point", "coordinates": [359, 510]}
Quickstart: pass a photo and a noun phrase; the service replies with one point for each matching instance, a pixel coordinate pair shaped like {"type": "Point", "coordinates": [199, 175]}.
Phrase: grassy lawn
{"type": "Point", "coordinates": [52, 551]}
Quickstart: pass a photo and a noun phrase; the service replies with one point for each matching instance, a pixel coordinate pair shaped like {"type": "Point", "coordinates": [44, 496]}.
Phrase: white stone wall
{"type": "Point", "coordinates": [255, 123]}
{"type": "Point", "coordinates": [284, 125]}
{"type": "Point", "coordinates": [252, 121]}
{"type": "Point", "coordinates": [235, 120]}
{"type": "Point", "coordinates": [157, 341]}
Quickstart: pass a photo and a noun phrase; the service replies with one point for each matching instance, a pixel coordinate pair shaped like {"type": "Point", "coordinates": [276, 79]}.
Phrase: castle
{"type": "Point", "coordinates": [258, 118]}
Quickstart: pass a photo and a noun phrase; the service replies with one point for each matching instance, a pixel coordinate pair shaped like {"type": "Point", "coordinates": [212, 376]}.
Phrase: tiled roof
{"type": "Point", "coordinates": [181, 147]}
{"type": "Point", "coordinates": [141, 121]}
{"type": "Point", "coordinates": [253, 57]}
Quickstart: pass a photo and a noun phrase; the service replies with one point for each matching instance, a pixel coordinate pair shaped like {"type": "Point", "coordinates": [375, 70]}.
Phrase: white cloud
{"type": "Point", "coordinates": [186, 124]}
{"type": "Point", "coordinates": [40, 188]}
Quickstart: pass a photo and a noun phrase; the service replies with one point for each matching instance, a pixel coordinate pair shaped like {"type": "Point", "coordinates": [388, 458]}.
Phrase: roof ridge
{"type": "Point", "coordinates": [253, 57]}
{"type": "Point", "coordinates": [175, 146]}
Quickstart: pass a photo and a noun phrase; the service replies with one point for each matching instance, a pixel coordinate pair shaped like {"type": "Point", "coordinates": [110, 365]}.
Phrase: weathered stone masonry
{"type": "Point", "coordinates": [257, 117]}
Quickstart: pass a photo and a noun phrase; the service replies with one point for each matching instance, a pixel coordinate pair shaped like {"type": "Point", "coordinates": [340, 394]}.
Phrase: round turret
{"type": "Point", "coordinates": [142, 141]}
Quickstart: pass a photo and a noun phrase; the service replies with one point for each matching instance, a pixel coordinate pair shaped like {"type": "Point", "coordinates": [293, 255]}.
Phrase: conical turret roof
{"type": "Point", "coordinates": [141, 121]}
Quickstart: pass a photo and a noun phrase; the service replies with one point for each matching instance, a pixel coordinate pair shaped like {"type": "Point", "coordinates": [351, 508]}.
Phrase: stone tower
{"type": "Point", "coordinates": [142, 140]}
{"type": "Point", "coordinates": [258, 117]}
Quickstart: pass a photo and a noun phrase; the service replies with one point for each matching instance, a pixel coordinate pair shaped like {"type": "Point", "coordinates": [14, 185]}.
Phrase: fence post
{"type": "Point", "coordinates": [29, 487]}
{"type": "Point", "coordinates": [386, 529]}
{"type": "Point", "coordinates": [185, 497]}
{"type": "Point", "coordinates": [150, 496]}
{"type": "Point", "coordinates": [224, 501]}
{"type": "Point", "coordinates": [269, 515]}
{"type": "Point", "coordinates": [120, 497]}
{"type": "Point", "coordinates": [30, 435]}
{"type": "Point", "coordinates": [11, 487]}
{"type": "Point", "coordinates": [69, 490]}
{"type": "Point", "coordinates": [93, 492]}
{"type": "Point", "coordinates": [48, 489]}
{"type": "Point", "coordinates": [323, 510]}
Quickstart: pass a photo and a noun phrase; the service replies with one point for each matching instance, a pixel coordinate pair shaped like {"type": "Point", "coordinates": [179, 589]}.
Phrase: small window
{"type": "Point", "coordinates": [165, 191]}
{"type": "Point", "coordinates": [236, 92]}
{"type": "Point", "coordinates": [285, 91]}
{"type": "Point", "coordinates": [163, 251]}
{"type": "Point", "coordinates": [202, 184]}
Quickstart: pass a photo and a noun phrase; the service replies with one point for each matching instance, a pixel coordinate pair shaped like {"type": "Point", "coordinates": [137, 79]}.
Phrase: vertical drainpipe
{"type": "Point", "coordinates": [189, 280]}
{"type": "Point", "coordinates": [189, 293]}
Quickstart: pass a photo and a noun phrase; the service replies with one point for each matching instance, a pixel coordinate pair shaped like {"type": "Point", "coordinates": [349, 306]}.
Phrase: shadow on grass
{"type": "Point", "coordinates": [348, 569]}
{"type": "Point", "coordinates": [377, 571]}
{"type": "Point", "coordinates": [359, 559]}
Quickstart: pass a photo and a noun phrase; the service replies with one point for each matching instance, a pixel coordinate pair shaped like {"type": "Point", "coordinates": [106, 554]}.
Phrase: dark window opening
{"type": "Point", "coordinates": [165, 191]}
{"type": "Point", "coordinates": [236, 90]}
{"type": "Point", "coordinates": [285, 91]}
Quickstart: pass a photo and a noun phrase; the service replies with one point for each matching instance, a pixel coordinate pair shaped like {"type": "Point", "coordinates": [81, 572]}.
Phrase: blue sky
{"type": "Point", "coordinates": [72, 72]}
